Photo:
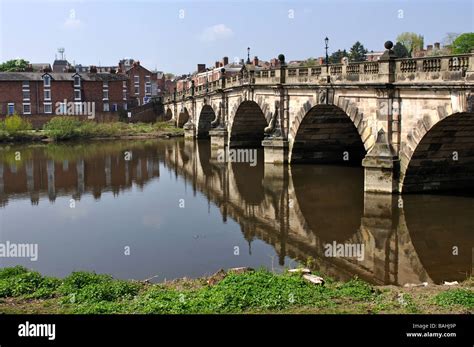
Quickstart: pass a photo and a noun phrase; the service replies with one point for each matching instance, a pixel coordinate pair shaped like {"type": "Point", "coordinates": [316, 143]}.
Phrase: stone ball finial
{"type": "Point", "coordinates": [281, 58]}
{"type": "Point", "coordinates": [388, 45]}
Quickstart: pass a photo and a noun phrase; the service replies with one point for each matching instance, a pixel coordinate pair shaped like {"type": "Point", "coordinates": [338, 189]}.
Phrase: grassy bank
{"type": "Point", "coordinates": [23, 291]}
{"type": "Point", "coordinates": [17, 129]}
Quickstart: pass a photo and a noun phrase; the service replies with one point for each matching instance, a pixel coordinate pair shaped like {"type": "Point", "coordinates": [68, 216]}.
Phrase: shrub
{"type": "Point", "coordinates": [463, 297]}
{"type": "Point", "coordinates": [14, 124]}
{"type": "Point", "coordinates": [63, 127]}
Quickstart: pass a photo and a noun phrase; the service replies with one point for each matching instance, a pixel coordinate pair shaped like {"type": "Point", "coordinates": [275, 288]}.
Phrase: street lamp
{"type": "Point", "coordinates": [328, 77]}
{"type": "Point", "coordinates": [248, 55]}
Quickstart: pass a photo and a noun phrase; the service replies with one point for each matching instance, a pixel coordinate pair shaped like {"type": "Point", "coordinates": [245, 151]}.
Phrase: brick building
{"type": "Point", "coordinates": [142, 84]}
{"type": "Point", "coordinates": [29, 93]}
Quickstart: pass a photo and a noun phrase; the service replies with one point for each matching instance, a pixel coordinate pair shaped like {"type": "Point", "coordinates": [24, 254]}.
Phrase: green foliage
{"type": "Point", "coordinates": [411, 41]}
{"type": "Point", "coordinates": [14, 65]}
{"type": "Point", "coordinates": [18, 281]}
{"type": "Point", "coordinates": [356, 289]}
{"type": "Point", "coordinates": [15, 124]}
{"type": "Point", "coordinates": [80, 279]}
{"type": "Point", "coordinates": [400, 50]}
{"type": "Point", "coordinates": [357, 52]}
{"type": "Point", "coordinates": [336, 57]}
{"type": "Point", "coordinates": [62, 127]}
{"type": "Point", "coordinates": [464, 43]}
{"type": "Point", "coordinates": [459, 296]}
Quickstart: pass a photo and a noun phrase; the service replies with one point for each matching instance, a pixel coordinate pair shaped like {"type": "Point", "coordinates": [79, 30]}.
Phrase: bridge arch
{"type": "Point", "coordinates": [248, 124]}
{"type": "Point", "coordinates": [325, 134]}
{"type": "Point", "coordinates": [206, 116]}
{"type": "Point", "coordinates": [439, 155]}
{"type": "Point", "coordinates": [183, 117]}
{"type": "Point", "coordinates": [168, 115]}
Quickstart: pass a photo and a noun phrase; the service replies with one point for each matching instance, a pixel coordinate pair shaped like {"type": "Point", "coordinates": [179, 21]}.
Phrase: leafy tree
{"type": "Point", "coordinates": [336, 57]}
{"type": "Point", "coordinates": [411, 41]}
{"type": "Point", "coordinates": [400, 50]}
{"type": "Point", "coordinates": [449, 39]}
{"type": "Point", "coordinates": [14, 65]}
{"type": "Point", "coordinates": [464, 43]}
{"type": "Point", "coordinates": [169, 76]}
{"type": "Point", "coordinates": [357, 52]}
{"type": "Point", "coordinates": [309, 62]}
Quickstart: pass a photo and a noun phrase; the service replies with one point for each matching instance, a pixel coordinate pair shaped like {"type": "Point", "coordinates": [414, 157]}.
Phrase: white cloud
{"type": "Point", "coordinates": [216, 32]}
{"type": "Point", "coordinates": [72, 23]}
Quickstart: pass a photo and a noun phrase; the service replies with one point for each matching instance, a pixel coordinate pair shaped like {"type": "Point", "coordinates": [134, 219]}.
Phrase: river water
{"type": "Point", "coordinates": [171, 208]}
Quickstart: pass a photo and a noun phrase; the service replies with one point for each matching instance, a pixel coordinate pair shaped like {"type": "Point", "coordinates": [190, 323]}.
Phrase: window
{"type": "Point", "coordinates": [77, 81]}
{"type": "Point", "coordinates": [26, 95]}
{"type": "Point", "coordinates": [77, 94]}
{"type": "Point", "coordinates": [114, 107]}
{"type": "Point", "coordinates": [26, 85]}
{"type": "Point", "coordinates": [11, 108]}
{"type": "Point", "coordinates": [47, 107]}
{"type": "Point", "coordinates": [47, 94]}
{"type": "Point", "coordinates": [106, 84]}
{"type": "Point", "coordinates": [62, 109]}
{"type": "Point", "coordinates": [26, 109]}
{"type": "Point", "coordinates": [148, 89]}
{"type": "Point", "coordinates": [137, 90]}
{"type": "Point", "coordinates": [125, 95]}
{"type": "Point", "coordinates": [125, 106]}
{"type": "Point", "coordinates": [78, 108]}
{"type": "Point", "coordinates": [106, 94]}
{"type": "Point", "coordinates": [47, 81]}
{"type": "Point", "coordinates": [147, 79]}
{"type": "Point", "coordinates": [136, 79]}
{"type": "Point", "coordinates": [106, 107]}
{"type": "Point", "coordinates": [124, 84]}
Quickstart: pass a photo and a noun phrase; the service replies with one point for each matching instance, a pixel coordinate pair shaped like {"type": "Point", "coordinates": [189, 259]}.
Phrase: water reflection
{"type": "Point", "coordinates": [129, 194]}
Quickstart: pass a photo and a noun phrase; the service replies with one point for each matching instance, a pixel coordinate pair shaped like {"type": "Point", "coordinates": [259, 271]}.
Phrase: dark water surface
{"type": "Point", "coordinates": [173, 210]}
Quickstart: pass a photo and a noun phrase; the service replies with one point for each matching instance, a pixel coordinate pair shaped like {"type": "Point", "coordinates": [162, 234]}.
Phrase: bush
{"type": "Point", "coordinates": [460, 296]}
{"type": "Point", "coordinates": [63, 127]}
{"type": "Point", "coordinates": [14, 124]}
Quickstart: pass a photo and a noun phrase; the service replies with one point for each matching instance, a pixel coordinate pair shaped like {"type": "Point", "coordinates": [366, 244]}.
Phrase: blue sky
{"type": "Point", "coordinates": [175, 36]}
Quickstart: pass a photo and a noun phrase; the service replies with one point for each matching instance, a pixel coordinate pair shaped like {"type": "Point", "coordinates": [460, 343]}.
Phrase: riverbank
{"type": "Point", "coordinates": [26, 292]}
{"type": "Point", "coordinates": [68, 128]}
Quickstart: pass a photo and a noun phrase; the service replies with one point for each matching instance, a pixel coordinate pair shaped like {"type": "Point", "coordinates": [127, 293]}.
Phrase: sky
{"type": "Point", "coordinates": [174, 36]}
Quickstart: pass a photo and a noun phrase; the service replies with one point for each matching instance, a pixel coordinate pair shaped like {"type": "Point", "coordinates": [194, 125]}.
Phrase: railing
{"type": "Point", "coordinates": [419, 70]}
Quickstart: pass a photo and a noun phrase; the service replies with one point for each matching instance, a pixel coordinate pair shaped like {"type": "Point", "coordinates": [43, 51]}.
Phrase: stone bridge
{"type": "Point", "coordinates": [409, 122]}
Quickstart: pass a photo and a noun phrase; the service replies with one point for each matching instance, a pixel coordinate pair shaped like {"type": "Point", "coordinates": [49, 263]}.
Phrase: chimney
{"type": "Point", "coordinates": [29, 68]}
{"type": "Point", "coordinates": [93, 69]}
{"type": "Point", "coordinates": [216, 64]}
{"type": "Point", "coordinates": [429, 48]}
{"type": "Point", "coordinates": [225, 61]}
{"type": "Point", "coordinates": [255, 61]}
{"type": "Point", "coordinates": [437, 45]}
{"type": "Point", "coordinates": [201, 68]}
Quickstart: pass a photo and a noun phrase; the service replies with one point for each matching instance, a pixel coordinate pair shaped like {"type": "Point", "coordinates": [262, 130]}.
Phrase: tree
{"type": "Point", "coordinates": [449, 39]}
{"type": "Point", "coordinates": [309, 62]}
{"type": "Point", "coordinates": [400, 50]}
{"type": "Point", "coordinates": [464, 43]}
{"type": "Point", "coordinates": [169, 76]}
{"type": "Point", "coordinates": [336, 57]}
{"type": "Point", "coordinates": [357, 52]}
{"type": "Point", "coordinates": [14, 65]}
{"type": "Point", "coordinates": [411, 41]}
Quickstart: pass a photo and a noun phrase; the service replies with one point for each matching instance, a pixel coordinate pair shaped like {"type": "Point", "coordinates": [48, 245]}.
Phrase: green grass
{"type": "Point", "coordinates": [66, 128]}
{"type": "Point", "coordinates": [24, 291]}
{"type": "Point", "coordinates": [459, 296]}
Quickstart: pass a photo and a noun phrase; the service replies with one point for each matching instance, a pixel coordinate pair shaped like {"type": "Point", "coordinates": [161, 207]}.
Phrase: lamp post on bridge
{"type": "Point", "coordinates": [328, 77]}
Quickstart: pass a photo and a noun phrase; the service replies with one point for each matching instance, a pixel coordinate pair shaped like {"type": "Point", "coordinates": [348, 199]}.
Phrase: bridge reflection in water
{"type": "Point", "coordinates": [296, 211]}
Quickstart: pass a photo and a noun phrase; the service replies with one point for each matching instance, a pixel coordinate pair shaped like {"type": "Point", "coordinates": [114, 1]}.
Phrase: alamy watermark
{"type": "Point", "coordinates": [345, 250]}
{"type": "Point", "coordinates": [240, 155]}
{"type": "Point", "coordinates": [19, 250]}
{"type": "Point", "coordinates": [75, 108]}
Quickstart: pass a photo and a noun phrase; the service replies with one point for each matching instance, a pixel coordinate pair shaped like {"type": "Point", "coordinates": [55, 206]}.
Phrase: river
{"type": "Point", "coordinates": [170, 208]}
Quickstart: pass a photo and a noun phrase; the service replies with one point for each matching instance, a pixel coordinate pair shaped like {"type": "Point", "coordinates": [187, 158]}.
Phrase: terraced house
{"type": "Point", "coordinates": [46, 92]}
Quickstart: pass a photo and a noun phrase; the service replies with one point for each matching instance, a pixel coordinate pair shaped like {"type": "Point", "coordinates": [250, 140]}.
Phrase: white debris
{"type": "Point", "coordinates": [424, 284]}
{"type": "Point", "coordinates": [446, 283]}
{"type": "Point", "coordinates": [314, 279]}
